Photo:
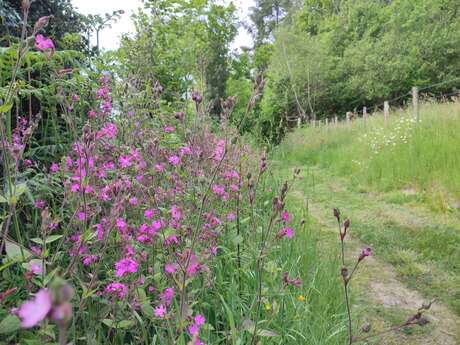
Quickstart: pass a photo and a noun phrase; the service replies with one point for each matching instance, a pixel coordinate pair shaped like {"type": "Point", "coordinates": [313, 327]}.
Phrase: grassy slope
{"type": "Point", "coordinates": [402, 199]}
{"type": "Point", "coordinates": [424, 160]}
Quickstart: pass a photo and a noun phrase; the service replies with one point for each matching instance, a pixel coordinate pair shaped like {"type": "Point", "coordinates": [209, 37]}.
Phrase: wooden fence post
{"type": "Point", "coordinates": [365, 114]}
{"type": "Point", "coordinates": [336, 120]}
{"type": "Point", "coordinates": [299, 122]}
{"type": "Point", "coordinates": [415, 102]}
{"type": "Point", "coordinates": [348, 116]}
{"type": "Point", "coordinates": [386, 111]}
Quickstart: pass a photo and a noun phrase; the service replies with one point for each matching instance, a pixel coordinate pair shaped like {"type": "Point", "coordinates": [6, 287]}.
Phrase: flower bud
{"type": "Point", "coordinates": [41, 23]}
{"type": "Point", "coordinates": [25, 5]}
{"type": "Point", "coordinates": [365, 252]}
{"type": "Point", "coordinates": [337, 214]}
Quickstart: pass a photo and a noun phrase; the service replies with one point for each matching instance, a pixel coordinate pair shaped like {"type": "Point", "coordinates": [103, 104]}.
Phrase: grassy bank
{"type": "Point", "coordinates": [420, 161]}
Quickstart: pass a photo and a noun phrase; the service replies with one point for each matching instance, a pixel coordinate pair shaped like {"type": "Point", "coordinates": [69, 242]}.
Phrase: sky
{"type": "Point", "coordinates": [110, 37]}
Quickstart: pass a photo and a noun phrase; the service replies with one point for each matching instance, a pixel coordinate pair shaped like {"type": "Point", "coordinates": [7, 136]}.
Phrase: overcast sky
{"type": "Point", "coordinates": [110, 38]}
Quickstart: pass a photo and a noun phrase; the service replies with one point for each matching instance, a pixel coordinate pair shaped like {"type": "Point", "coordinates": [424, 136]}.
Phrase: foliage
{"type": "Point", "coordinates": [266, 16]}
{"type": "Point", "coordinates": [401, 155]}
{"type": "Point", "coordinates": [360, 53]}
{"type": "Point", "coordinates": [182, 46]}
{"type": "Point", "coordinates": [152, 226]}
{"type": "Point", "coordinates": [66, 20]}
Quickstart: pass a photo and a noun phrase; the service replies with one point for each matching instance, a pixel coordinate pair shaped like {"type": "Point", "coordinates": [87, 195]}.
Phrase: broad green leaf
{"type": "Point", "coordinates": [147, 310]}
{"type": "Point", "coordinates": [13, 250]}
{"type": "Point", "coordinates": [3, 199]}
{"type": "Point", "coordinates": [49, 239]}
{"type": "Point", "coordinates": [10, 324]}
{"type": "Point", "coordinates": [118, 325]}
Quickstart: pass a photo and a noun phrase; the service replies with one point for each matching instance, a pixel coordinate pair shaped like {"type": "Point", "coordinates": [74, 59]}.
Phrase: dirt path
{"type": "Point", "coordinates": [381, 298]}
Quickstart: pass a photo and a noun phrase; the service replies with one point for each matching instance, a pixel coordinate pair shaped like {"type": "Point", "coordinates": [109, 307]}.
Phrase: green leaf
{"type": "Point", "coordinates": [3, 199]}
{"type": "Point", "coordinates": [6, 107]}
{"type": "Point", "coordinates": [10, 324]}
{"type": "Point", "coordinates": [231, 321]}
{"type": "Point", "coordinates": [13, 250]}
{"type": "Point", "coordinates": [118, 325]}
{"type": "Point", "coordinates": [266, 333]}
{"type": "Point", "coordinates": [147, 310]}
{"type": "Point", "coordinates": [49, 239]}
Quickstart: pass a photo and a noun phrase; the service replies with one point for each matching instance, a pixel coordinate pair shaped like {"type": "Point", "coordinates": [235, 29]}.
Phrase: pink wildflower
{"type": "Point", "coordinates": [121, 225]}
{"type": "Point", "coordinates": [159, 168]}
{"type": "Point", "coordinates": [219, 151]}
{"type": "Point", "coordinates": [36, 310]}
{"type": "Point", "coordinates": [185, 151]}
{"type": "Point", "coordinates": [174, 160]}
{"type": "Point", "coordinates": [169, 129]}
{"type": "Point", "coordinates": [176, 213]}
{"type": "Point", "coordinates": [170, 268]}
{"type": "Point", "coordinates": [193, 330]}
{"type": "Point", "coordinates": [286, 232]}
{"type": "Point", "coordinates": [167, 296]}
{"type": "Point", "coordinates": [199, 320]}
{"type": "Point", "coordinates": [43, 44]}
{"type": "Point", "coordinates": [149, 213]}
{"type": "Point", "coordinates": [125, 161]}
{"type": "Point", "coordinates": [40, 204]}
{"type": "Point", "coordinates": [156, 225]}
{"type": "Point", "coordinates": [365, 252]}
{"type": "Point", "coordinates": [125, 266]}
{"type": "Point", "coordinates": [36, 269]}
{"type": "Point", "coordinates": [54, 168]}
{"type": "Point", "coordinates": [118, 290]}
{"type": "Point", "coordinates": [160, 311]}
{"type": "Point", "coordinates": [91, 114]}
{"type": "Point", "coordinates": [285, 217]}
{"type": "Point", "coordinates": [75, 188]}
{"type": "Point", "coordinates": [170, 240]}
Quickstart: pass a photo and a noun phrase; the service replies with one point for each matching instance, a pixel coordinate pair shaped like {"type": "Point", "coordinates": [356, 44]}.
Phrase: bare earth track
{"type": "Point", "coordinates": [381, 297]}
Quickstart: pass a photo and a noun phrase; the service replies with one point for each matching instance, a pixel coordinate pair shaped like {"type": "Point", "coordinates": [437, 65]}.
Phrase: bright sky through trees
{"type": "Point", "coordinates": [110, 37]}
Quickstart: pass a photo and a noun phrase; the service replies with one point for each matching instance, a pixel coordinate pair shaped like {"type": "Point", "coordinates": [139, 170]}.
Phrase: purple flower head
{"type": "Point", "coordinates": [167, 296]}
{"type": "Point", "coordinates": [160, 311]}
{"type": "Point", "coordinates": [117, 290]}
{"type": "Point", "coordinates": [42, 44]}
{"type": "Point", "coordinates": [285, 217]}
{"type": "Point", "coordinates": [40, 204]}
{"type": "Point", "coordinates": [125, 266]}
{"type": "Point", "coordinates": [36, 310]}
{"type": "Point", "coordinates": [54, 168]}
{"type": "Point", "coordinates": [286, 232]}
{"type": "Point", "coordinates": [174, 160]}
{"type": "Point", "coordinates": [365, 252]}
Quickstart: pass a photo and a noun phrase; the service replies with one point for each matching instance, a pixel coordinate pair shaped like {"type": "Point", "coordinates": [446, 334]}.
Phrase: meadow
{"type": "Point", "coordinates": [398, 183]}
{"type": "Point", "coordinates": [159, 194]}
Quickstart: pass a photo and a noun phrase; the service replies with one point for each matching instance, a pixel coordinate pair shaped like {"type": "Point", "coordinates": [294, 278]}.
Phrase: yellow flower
{"type": "Point", "coordinates": [301, 298]}
{"type": "Point", "coordinates": [267, 306]}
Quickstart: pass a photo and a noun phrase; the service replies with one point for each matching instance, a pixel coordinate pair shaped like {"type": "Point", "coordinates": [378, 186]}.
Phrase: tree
{"type": "Point", "coordinates": [182, 45]}
{"type": "Point", "coordinates": [66, 20]}
{"type": "Point", "coordinates": [267, 15]}
{"type": "Point", "coordinates": [96, 23]}
{"type": "Point", "coordinates": [220, 31]}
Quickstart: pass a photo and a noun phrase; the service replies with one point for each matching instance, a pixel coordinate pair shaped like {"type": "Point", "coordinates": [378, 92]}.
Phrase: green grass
{"type": "Point", "coordinates": [423, 159]}
{"type": "Point", "coordinates": [402, 197]}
